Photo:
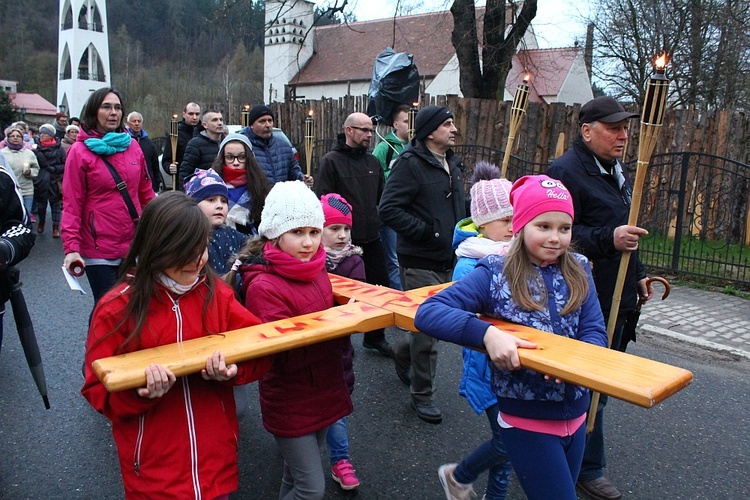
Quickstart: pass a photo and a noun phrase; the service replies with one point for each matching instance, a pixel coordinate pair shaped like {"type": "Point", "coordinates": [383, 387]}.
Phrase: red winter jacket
{"type": "Point", "coordinates": [96, 222]}
{"type": "Point", "coordinates": [305, 389]}
{"type": "Point", "coordinates": [184, 444]}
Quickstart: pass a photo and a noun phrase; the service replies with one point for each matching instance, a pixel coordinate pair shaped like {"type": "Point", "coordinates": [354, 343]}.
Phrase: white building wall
{"type": "Point", "coordinates": [289, 44]}
{"type": "Point", "coordinates": [73, 42]}
{"type": "Point", "coordinates": [576, 88]}
{"type": "Point", "coordinates": [447, 81]}
{"type": "Point", "coordinates": [333, 90]}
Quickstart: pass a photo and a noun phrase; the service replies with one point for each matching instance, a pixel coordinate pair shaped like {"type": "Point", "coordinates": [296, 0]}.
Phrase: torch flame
{"type": "Point", "coordinates": [174, 117]}
{"type": "Point", "coordinates": [415, 104]}
{"type": "Point", "coordinates": [526, 77]}
{"type": "Point", "coordinates": [661, 61]}
{"type": "Point", "coordinates": [310, 113]}
{"type": "Point", "coordinates": [246, 107]}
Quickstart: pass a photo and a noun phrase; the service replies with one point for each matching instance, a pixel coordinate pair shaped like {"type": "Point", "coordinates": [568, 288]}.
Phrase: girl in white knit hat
{"type": "Point", "coordinates": [283, 274]}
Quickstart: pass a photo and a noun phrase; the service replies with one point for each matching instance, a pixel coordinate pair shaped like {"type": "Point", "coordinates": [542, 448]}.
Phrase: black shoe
{"type": "Point", "coordinates": [402, 370]}
{"type": "Point", "coordinates": [600, 488]}
{"type": "Point", "coordinates": [428, 412]}
{"type": "Point", "coordinates": [380, 345]}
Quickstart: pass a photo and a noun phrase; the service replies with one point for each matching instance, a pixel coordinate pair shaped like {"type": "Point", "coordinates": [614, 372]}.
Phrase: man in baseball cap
{"type": "Point", "coordinates": [601, 190]}
{"type": "Point", "coordinates": [422, 201]}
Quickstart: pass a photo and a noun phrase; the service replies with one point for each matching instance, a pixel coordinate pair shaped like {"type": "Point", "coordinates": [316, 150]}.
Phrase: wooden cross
{"type": "Point", "coordinates": [637, 380]}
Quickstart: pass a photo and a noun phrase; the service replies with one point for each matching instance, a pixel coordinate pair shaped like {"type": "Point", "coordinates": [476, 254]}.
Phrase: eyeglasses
{"type": "Point", "coordinates": [229, 158]}
{"type": "Point", "coordinates": [366, 130]}
{"type": "Point", "coordinates": [15, 136]}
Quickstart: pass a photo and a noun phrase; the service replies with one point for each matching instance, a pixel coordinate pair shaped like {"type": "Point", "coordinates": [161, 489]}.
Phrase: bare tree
{"type": "Point", "coordinates": [707, 42]}
{"type": "Point", "coordinates": [488, 79]}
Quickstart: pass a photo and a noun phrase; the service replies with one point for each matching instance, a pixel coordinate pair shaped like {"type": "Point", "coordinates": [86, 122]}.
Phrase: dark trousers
{"type": "Point", "coordinates": [376, 273]}
{"type": "Point", "coordinates": [101, 279]}
{"type": "Point", "coordinates": [594, 459]}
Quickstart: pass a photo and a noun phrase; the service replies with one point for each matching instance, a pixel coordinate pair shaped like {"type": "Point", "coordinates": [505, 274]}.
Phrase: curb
{"type": "Point", "coordinates": [706, 344]}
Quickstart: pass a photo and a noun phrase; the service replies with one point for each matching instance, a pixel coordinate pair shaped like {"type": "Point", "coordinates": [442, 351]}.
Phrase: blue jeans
{"type": "Point", "coordinates": [337, 441]}
{"type": "Point", "coordinates": [490, 456]}
{"type": "Point", "coordinates": [547, 466]}
{"type": "Point", "coordinates": [388, 237]}
{"type": "Point", "coordinates": [28, 201]}
{"type": "Point", "coordinates": [101, 279]}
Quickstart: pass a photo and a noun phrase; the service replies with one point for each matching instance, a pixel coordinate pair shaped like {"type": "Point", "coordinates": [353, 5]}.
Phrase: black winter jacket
{"type": "Point", "coordinates": [152, 157]}
{"type": "Point", "coordinates": [357, 176]}
{"type": "Point", "coordinates": [200, 153]}
{"type": "Point", "coordinates": [599, 208]}
{"type": "Point", "coordinates": [422, 203]}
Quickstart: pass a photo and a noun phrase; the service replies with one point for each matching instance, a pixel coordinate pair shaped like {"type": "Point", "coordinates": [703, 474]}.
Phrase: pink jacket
{"type": "Point", "coordinates": [96, 222]}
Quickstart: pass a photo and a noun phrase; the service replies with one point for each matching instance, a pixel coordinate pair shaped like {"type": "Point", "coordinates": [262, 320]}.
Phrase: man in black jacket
{"type": "Point", "coordinates": [191, 115]}
{"type": "Point", "coordinates": [601, 191]}
{"type": "Point", "coordinates": [135, 129]}
{"type": "Point", "coordinates": [349, 170]}
{"type": "Point", "coordinates": [202, 149]}
{"type": "Point", "coordinates": [422, 201]}
{"type": "Point", "coordinates": [16, 238]}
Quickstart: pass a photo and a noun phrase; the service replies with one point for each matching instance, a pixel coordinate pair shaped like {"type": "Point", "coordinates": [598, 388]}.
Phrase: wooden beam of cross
{"type": "Point", "coordinates": [637, 380]}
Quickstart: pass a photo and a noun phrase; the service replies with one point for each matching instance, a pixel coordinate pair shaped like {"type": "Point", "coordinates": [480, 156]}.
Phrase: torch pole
{"type": "Point", "coordinates": [173, 134]}
{"type": "Point", "coordinates": [309, 140]}
{"type": "Point", "coordinates": [245, 116]}
{"type": "Point", "coordinates": [412, 117]}
{"type": "Point", "coordinates": [517, 112]}
{"type": "Point", "coordinates": [652, 118]}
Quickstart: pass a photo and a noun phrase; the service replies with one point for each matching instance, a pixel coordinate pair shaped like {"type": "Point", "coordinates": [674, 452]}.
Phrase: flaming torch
{"type": "Point", "coordinates": [173, 140]}
{"type": "Point", "coordinates": [245, 116]}
{"type": "Point", "coordinates": [309, 140]}
{"type": "Point", "coordinates": [652, 118]}
{"type": "Point", "coordinates": [517, 112]}
{"type": "Point", "coordinates": [412, 119]}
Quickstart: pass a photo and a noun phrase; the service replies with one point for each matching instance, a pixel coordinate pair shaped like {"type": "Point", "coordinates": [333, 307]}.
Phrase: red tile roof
{"type": "Point", "coordinates": [34, 103]}
{"type": "Point", "coordinates": [548, 69]}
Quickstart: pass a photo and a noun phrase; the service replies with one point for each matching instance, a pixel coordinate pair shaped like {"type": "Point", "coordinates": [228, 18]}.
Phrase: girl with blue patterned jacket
{"type": "Point", "coordinates": [539, 284]}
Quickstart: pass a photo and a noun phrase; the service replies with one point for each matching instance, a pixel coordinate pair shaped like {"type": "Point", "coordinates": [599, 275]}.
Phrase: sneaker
{"type": "Point", "coordinates": [453, 489]}
{"type": "Point", "coordinates": [343, 473]}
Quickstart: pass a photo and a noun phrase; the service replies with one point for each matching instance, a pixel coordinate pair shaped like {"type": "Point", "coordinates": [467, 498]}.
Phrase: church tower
{"type": "Point", "coordinates": [82, 53]}
{"type": "Point", "coordinates": [288, 44]}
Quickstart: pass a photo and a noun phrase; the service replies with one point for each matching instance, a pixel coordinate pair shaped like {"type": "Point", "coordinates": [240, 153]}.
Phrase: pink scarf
{"type": "Point", "coordinates": [287, 266]}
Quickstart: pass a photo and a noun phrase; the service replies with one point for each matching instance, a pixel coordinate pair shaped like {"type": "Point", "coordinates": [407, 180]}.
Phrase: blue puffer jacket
{"type": "Point", "coordinates": [275, 157]}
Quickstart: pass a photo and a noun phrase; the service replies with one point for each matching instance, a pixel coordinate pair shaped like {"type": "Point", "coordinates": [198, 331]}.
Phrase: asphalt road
{"type": "Point", "coordinates": [695, 445]}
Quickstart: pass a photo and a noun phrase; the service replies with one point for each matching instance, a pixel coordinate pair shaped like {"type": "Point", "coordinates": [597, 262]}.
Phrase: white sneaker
{"type": "Point", "coordinates": [453, 489]}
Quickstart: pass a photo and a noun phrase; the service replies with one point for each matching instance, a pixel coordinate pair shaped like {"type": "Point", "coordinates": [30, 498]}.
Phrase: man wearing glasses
{"type": "Point", "coordinates": [349, 170]}
{"type": "Point", "coordinates": [422, 202]}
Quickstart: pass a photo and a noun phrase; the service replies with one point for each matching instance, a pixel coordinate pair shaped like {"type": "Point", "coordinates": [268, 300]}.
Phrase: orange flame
{"type": "Point", "coordinates": [174, 117]}
{"type": "Point", "coordinates": [661, 61]}
{"type": "Point", "coordinates": [246, 107]}
{"type": "Point", "coordinates": [415, 104]}
{"type": "Point", "coordinates": [310, 113]}
{"type": "Point", "coordinates": [526, 77]}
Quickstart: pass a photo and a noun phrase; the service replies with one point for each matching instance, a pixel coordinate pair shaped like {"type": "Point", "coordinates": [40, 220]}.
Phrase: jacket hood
{"type": "Point", "coordinates": [464, 229]}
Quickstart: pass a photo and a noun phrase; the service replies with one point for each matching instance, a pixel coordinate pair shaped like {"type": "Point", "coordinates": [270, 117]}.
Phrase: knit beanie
{"type": "Point", "coordinates": [205, 184]}
{"type": "Point", "coordinates": [428, 119]}
{"type": "Point", "coordinates": [532, 195]}
{"type": "Point", "coordinates": [336, 210]}
{"type": "Point", "coordinates": [290, 205]}
{"type": "Point", "coordinates": [259, 110]}
{"type": "Point", "coordinates": [47, 129]}
{"type": "Point", "coordinates": [235, 137]}
{"type": "Point", "coordinates": [490, 200]}
{"type": "Point", "coordinates": [71, 127]}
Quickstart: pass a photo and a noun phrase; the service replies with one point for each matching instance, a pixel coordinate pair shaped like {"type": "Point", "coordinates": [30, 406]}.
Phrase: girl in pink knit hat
{"type": "Point", "coordinates": [540, 283]}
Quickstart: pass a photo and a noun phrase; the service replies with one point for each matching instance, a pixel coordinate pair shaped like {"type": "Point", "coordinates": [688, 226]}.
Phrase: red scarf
{"type": "Point", "coordinates": [51, 142]}
{"type": "Point", "coordinates": [234, 177]}
{"type": "Point", "coordinates": [291, 268]}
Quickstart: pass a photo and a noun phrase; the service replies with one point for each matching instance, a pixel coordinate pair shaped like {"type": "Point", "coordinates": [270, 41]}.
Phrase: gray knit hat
{"type": "Point", "coordinates": [47, 129]}
{"type": "Point", "coordinates": [290, 205]}
{"type": "Point", "coordinates": [428, 119]}
{"type": "Point", "coordinates": [235, 137]}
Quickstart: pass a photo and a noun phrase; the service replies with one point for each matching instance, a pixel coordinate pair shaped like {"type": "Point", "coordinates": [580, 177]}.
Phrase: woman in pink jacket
{"type": "Point", "coordinates": [97, 223]}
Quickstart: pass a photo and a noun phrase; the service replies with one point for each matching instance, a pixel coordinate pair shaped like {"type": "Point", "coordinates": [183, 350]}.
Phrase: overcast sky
{"type": "Point", "coordinates": [557, 22]}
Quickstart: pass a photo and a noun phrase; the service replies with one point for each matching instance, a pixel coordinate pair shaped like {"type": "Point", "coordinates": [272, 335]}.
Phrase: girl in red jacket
{"type": "Point", "coordinates": [175, 437]}
{"type": "Point", "coordinates": [283, 275]}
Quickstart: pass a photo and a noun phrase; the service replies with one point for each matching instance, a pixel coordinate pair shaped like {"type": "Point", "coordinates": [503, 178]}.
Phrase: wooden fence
{"type": "Point", "coordinates": [545, 129]}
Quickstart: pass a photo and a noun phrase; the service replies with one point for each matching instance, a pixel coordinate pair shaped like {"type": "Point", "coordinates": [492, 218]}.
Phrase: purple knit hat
{"type": "Point", "coordinates": [205, 184]}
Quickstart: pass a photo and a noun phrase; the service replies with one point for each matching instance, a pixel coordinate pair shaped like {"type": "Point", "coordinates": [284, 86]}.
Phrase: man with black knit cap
{"type": "Point", "coordinates": [422, 201]}
{"type": "Point", "coordinates": [274, 156]}
{"type": "Point", "coordinates": [601, 191]}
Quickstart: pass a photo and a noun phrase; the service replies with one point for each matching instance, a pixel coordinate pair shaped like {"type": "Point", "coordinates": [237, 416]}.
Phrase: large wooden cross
{"type": "Point", "coordinates": [637, 380]}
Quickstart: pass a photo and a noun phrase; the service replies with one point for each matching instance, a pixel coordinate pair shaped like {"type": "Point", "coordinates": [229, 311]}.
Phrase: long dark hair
{"type": "Point", "coordinates": [172, 232]}
{"type": "Point", "coordinates": [90, 112]}
{"type": "Point", "coordinates": [257, 182]}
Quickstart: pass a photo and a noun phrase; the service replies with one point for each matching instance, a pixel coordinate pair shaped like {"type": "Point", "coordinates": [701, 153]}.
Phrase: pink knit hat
{"type": "Point", "coordinates": [532, 195]}
{"type": "Point", "coordinates": [336, 210]}
{"type": "Point", "coordinates": [490, 200]}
